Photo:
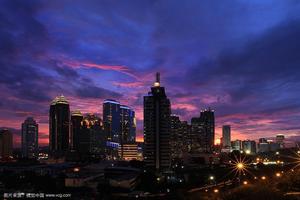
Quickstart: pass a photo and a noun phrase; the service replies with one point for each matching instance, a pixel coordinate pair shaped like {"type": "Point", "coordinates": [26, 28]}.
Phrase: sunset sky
{"type": "Point", "coordinates": [241, 58]}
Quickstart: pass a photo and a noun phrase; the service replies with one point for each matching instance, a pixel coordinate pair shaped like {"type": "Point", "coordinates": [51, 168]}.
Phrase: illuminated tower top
{"type": "Point", "coordinates": [157, 82]}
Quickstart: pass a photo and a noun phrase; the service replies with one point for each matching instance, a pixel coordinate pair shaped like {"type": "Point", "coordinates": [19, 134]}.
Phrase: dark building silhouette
{"type": "Point", "coordinates": [6, 144]}
{"type": "Point", "coordinates": [175, 136]}
{"type": "Point", "coordinates": [157, 111]}
{"type": "Point", "coordinates": [203, 131]}
{"type": "Point", "coordinates": [29, 140]}
{"type": "Point", "coordinates": [111, 119]}
{"type": "Point", "coordinates": [59, 127]}
{"type": "Point", "coordinates": [185, 129]}
{"type": "Point", "coordinates": [76, 126]}
{"type": "Point", "coordinates": [92, 138]}
{"type": "Point", "coordinates": [88, 135]}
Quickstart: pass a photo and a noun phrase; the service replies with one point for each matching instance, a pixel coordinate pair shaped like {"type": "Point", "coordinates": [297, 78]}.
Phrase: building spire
{"type": "Point", "coordinates": [157, 82]}
{"type": "Point", "coordinates": [158, 77]}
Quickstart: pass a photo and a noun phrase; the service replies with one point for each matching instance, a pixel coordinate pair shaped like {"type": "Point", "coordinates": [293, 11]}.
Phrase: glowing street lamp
{"type": "Point", "coordinates": [240, 166]}
{"type": "Point", "coordinates": [278, 175]}
{"type": "Point", "coordinates": [211, 178]}
{"type": "Point", "coordinates": [245, 182]}
{"type": "Point", "coordinates": [216, 190]}
{"type": "Point", "coordinates": [263, 178]}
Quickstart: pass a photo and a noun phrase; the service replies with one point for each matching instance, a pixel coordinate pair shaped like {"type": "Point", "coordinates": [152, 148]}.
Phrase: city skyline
{"type": "Point", "coordinates": [115, 54]}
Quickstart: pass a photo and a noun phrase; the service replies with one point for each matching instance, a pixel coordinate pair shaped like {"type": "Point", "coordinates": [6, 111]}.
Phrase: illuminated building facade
{"type": "Point", "coordinates": [111, 119]}
{"type": "Point", "coordinates": [157, 111]}
{"type": "Point", "coordinates": [129, 151]}
{"type": "Point", "coordinates": [59, 127]}
{"type": "Point", "coordinates": [249, 146]}
{"type": "Point", "coordinates": [29, 139]}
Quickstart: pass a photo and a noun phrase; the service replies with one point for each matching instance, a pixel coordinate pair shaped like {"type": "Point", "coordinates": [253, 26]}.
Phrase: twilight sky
{"type": "Point", "coordinates": [241, 58]}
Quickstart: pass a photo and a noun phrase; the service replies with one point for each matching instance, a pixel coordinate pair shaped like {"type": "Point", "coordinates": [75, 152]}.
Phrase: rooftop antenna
{"type": "Point", "coordinates": [157, 82]}
{"type": "Point", "coordinates": [158, 77]}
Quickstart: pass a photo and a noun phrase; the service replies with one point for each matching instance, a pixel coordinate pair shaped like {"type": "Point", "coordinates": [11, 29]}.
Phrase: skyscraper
{"type": "Point", "coordinates": [6, 144]}
{"type": "Point", "coordinates": [203, 131]}
{"type": "Point", "coordinates": [175, 136]}
{"type": "Point", "coordinates": [127, 129]}
{"type": "Point", "coordinates": [30, 145]}
{"type": "Point", "coordinates": [76, 126]}
{"type": "Point", "coordinates": [226, 137]}
{"type": "Point", "coordinates": [127, 123]}
{"type": "Point", "coordinates": [111, 119]}
{"type": "Point", "coordinates": [157, 111]}
{"type": "Point", "coordinates": [59, 127]}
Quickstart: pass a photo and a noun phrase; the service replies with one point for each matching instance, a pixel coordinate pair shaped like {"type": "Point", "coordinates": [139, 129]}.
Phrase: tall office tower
{"type": "Point", "coordinates": [6, 144]}
{"type": "Point", "coordinates": [203, 131]}
{"type": "Point", "coordinates": [128, 124]}
{"type": "Point", "coordinates": [157, 111]}
{"type": "Point", "coordinates": [30, 145]}
{"type": "Point", "coordinates": [127, 128]}
{"type": "Point", "coordinates": [226, 137]}
{"type": "Point", "coordinates": [236, 145]}
{"type": "Point", "coordinates": [185, 129]}
{"type": "Point", "coordinates": [208, 119]}
{"type": "Point", "coordinates": [111, 119]}
{"type": "Point", "coordinates": [280, 140]}
{"type": "Point", "coordinates": [59, 127]}
{"type": "Point", "coordinates": [175, 137]}
{"type": "Point", "coordinates": [249, 146]}
{"type": "Point", "coordinates": [76, 126]}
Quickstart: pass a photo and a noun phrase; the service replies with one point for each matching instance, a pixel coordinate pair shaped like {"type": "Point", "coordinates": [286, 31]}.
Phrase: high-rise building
{"type": "Point", "coordinates": [59, 127]}
{"type": "Point", "coordinates": [128, 124]}
{"type": "Point", "coordinates": [6, 144]}
{"type": "Point", "coordinates": [111, 119]}
{"type": "Point", "coordinates": [203, 131]}
{"type": "Point", "coordinates": [127, 129]}
{"type": "Point", "coordinates": [157, 111]}
{"type": "Point", "coordinates": [226, 137]}
{"type": "Point", "coordinates": [76, 127]}
{"type": "Point", "coordinates": [175, 136]}
{"type": "Point", "coordinates": [249, 146]}
{"type": "Point", "coordinates": [185, 129]}
{"type": "Point", "coordinates": [29, 140]}
{"type": "Point", "coordinates": [236, 145]}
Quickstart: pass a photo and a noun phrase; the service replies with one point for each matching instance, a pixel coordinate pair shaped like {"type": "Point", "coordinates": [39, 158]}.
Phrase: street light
{"type": "Point", "coordinates": [216, 190]}
{"type": "Point", "coordinates": [245, 182]}
{"type": "Point", "coordinates": [278, 175]}
{"type": "Point", "coordinates": [240, 166]}
{"type": "Point", "coordinates": [263, 178]}
{"type": "Point", "coordinates": [211, 178]}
